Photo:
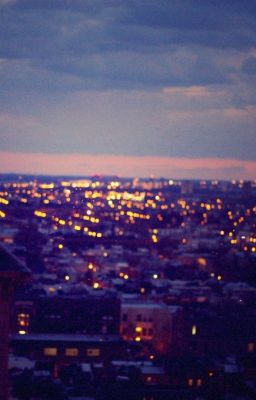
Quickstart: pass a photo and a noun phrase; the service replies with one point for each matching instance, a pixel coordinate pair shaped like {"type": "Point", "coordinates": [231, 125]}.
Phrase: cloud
{"type": "Point", "coordinates": [7, 2]}
{"type": "Point", "coordinates": [136, 123]}
{"type": "Point", "coordinates": [249, 66]}
{"type": "Point", "coordinates": [116, 44]}
{"type": "Point", "coordinates": [168, 78]}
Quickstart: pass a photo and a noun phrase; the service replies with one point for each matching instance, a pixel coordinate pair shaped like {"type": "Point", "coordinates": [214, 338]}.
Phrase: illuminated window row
{"type": "Point", "coordinates": [71, 352]}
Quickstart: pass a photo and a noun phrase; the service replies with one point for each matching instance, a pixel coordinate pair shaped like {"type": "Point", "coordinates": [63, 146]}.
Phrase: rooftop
{"type": "Point", "coordinates": [10, 263]}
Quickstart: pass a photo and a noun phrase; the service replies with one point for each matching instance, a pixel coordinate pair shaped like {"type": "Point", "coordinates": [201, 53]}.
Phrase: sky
{"type": "Point", "coordinates": [131, 88]}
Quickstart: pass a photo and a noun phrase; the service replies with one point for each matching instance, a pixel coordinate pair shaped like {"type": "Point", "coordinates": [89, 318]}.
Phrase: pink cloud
{"type": "Point", "coordinates": [88, 164]}
{"type": "Point", "coordinates": [191, 91]}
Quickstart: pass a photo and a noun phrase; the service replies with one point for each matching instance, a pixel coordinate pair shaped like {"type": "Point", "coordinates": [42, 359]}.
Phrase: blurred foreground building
{"type": "Point", "coordinates": [12, 274]}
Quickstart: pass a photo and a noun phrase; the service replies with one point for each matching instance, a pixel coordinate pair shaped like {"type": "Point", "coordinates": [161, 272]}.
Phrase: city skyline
{"type": "Point", "coordinates": [134, 88]}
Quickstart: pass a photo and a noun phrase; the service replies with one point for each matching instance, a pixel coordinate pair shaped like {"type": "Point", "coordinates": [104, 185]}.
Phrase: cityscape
{"type": "Point", "coordinates": [127, 200]}
{"type": "Point", "coordinates": [140, 288]}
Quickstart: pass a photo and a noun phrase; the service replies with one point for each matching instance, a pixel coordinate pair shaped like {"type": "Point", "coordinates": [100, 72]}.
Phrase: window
{"type": "Point", "coordinates": [139, 317]}
{"type": "Point", "coordinates": [125, 317]}
{"type": "Point", "coordinates": [23, 319]}
{"type": "Point", "coordinates": [144, 332]}
{"type": "Point", "coordinates": [150, 332]}
{"type": "Point", "coordinates": [251, 347]}
{"type": "Point", "coordinates": [93, 352]}
{"type": "Point", "coordinates": [50, 351]}
{"type": "Point", "coordinates": [71, 352]}
{"type": "Point", "coordinates": [193, 330]}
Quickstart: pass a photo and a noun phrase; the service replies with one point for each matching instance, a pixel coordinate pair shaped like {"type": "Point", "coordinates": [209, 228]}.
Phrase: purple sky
{"type": "Point", "coordinates": [128, 87]}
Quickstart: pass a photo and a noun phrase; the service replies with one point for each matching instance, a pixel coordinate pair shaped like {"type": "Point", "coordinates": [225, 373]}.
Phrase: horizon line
{"type": "Point", "coordinates": [146, 166]}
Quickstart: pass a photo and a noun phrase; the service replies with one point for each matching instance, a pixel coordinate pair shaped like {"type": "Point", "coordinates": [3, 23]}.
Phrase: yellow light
{"type": "Point", "coordinates": [222, 233]}
{"type": "Point", "coordinates": [126, 276]}
{"type": "Point", "coordinates": [137, 339]}
{"type": "Point", "coordinates": [22, 332]}
{"type": "Point", "coordinates": [154, 238]}
{"type": "Point", "coordinates": [77, 228]}
{"type": "Point", "coordinates": [138, 329]}
{"type": "Point", "coordinates": [67, 278]}
{"type": "Point", "coordinates": [96, 285]}
{"type": "Point", "coordinates": [219, 277]}
{"type": "Point", "coordinates": [202, 261]}
{"type": "Point", "coordinates": [2, 214]}
{"type": "Point", "coordinates": [41, 214]}
{"type": "Point", "coordinates": [155, 276]}
{"type": "Point", "coordinates": [46, 185]}
{"type": "Point", "coordinates": [194, 330]}
{"type": "Point", "coordinates": [60, 246]}
{"type": "Point", "coordinates": [90, 266]}
{"type": "Point", "coordinates": [4, 201]}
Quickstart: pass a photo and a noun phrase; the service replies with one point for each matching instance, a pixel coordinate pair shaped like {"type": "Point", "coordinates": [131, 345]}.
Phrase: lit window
{"type": "Point", "coordinates": [193, 330]}
{"type": "Point", "coordinates": [190, 382]}
{"type": "Point", "coordinates": [71, 352]}
{"type": "Point", "coordinates": [50, 351]}
{"type": "Point", "coordinates": [199, 382]}
{"type": "Point", "coordinates": [93, 352]}
{"type": "Point", "coordinates": [23, 319]}
{"type": "Point", "coordinates": [251, 347]}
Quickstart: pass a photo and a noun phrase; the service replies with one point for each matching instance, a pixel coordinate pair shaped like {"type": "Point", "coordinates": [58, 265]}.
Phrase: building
{"type": "Point", "coordinates": [12, 274]}
{"type": "Point", "coordinates": [154, 323]}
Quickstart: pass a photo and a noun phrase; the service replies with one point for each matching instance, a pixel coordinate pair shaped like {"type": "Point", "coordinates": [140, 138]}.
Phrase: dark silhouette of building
{"type": "Point", "coordinates": [12, 274]}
